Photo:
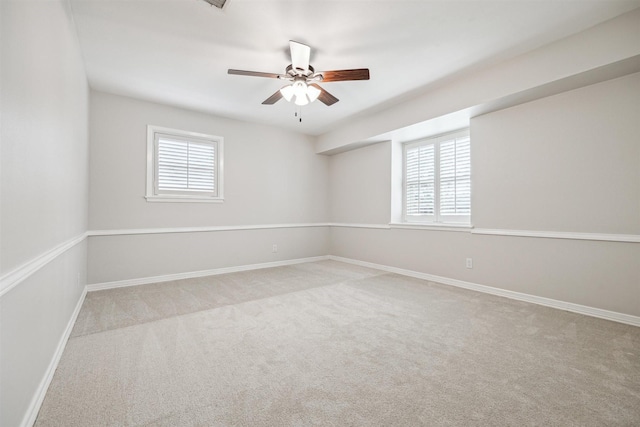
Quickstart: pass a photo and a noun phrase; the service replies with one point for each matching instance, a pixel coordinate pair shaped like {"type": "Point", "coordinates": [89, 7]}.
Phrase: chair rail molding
{"type": "Point", "coordinates": [202, 229]}
{"type": "Point", "coordinates": [627, 238]}
{"type": "Point", "coordinates": [14, 277]}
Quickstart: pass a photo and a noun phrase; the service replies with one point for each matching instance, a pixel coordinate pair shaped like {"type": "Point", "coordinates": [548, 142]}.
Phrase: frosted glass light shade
{"type": "Point", "coordinates": [302, 99]}
{"type": "Point", "coordinates": [287, 92]}
{"type": "Point", "coordinates": [300, 93]}
{"type": "Point", "coordinates": [299, 88]}
{"type": "Point", "coordinates": [313, 93]}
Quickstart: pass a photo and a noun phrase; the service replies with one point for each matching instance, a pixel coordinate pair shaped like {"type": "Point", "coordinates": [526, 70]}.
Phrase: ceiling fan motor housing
{"type": "Point", "coordinates": [294, 72]}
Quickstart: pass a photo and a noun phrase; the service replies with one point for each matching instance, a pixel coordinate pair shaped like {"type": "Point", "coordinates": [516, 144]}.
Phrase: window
{"type": "Point", "coordinates": [437, 179]}
{"type": "Point", "coordinates": [183, 166]}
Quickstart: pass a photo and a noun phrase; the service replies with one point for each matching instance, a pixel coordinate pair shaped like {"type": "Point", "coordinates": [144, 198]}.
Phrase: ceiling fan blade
{"type": "Point", "coordinates": [253, 73]}
{"type": "Point", "coordinates": [300, 54]}
{"type": "Point", "coordinates": [273, 98]}
{"type": "Point", "coordinates": [325, 97]}
{"type": "Point", "coordinates": [342, 75]}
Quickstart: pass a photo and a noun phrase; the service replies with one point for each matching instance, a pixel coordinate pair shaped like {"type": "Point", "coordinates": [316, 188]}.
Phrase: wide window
{"type": "Point", "coordinates": [183, 166]}
{"type": "Point", "coordinates": [437, 179]}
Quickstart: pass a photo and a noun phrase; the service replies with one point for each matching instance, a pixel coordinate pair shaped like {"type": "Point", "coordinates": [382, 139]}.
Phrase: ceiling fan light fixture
{"type": "Point", "coordinates": [302, 100]}
{"type": "Point", "coordinates": [299, 88]}
{"type": "Point", "coordinates": [287, 92]}
{"type": "Point", "coordinates": [303, 93]}
{"type": "Point", "coordinates": [313, 93]}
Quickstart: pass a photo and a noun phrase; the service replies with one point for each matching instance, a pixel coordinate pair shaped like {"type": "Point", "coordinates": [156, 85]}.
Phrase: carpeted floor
{"type": "Point", "coordinates": [333, 344]}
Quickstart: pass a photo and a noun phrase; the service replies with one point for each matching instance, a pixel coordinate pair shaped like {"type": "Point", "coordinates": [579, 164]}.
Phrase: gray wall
{"type": "Point", "coordinates": [44, 143]}
{"type": "Point", "coordinates": [360, 185]}
{"type": "Point", "coordinates": [568, 163]}
{"type": "Point", "coordinates": [271, 177]}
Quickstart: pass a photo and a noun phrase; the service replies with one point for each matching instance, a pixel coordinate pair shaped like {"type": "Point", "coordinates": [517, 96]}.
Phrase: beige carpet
{"type": "Point", "coordinates": [332, 344]}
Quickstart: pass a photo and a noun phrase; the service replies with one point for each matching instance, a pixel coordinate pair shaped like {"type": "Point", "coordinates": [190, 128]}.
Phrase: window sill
{"type": "Point", "coordinates": [432, 226]}
{"type": "Point", "coordinates": [183, 199]}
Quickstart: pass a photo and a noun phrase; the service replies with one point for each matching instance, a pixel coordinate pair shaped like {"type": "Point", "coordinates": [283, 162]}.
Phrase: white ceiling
{"type": "Point", "coordinates": [177, 52]}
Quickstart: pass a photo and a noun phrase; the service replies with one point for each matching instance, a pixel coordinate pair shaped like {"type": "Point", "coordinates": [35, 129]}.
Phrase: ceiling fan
{"type": "Point", "coordinates": [303, 87]}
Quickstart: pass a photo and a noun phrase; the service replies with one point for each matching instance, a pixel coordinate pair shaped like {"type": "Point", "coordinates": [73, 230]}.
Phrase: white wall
{"type": "Point", "coordinates": [547, 165]}
{"type": "Point", "coordinates": [271, 177]}
{"type": "Point", "coordinates": [44, 150]}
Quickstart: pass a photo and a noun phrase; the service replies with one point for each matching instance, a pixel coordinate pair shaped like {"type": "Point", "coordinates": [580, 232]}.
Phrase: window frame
{"type": "Point", "coordinates": [436, 218]}
{"type": "Point", "coordinates": [195, 196]}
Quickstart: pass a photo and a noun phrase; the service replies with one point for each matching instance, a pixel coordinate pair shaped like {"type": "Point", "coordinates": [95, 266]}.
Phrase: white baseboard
{"type": "Point", "coordinates": [201, 273]}
{"type": "Point", "coordinates": [547, 302]}
{"type": "Point", "coordinates": [36, 402]}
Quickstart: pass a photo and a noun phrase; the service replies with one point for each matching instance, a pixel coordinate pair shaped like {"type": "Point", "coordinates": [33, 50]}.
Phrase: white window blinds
{"type": "Point", "coordinates": [420, 180]}
{"type": "Point", "coordinates": [455, 177]}
{"type": "Point", "coordinates": [437, 179]}
{"type": "Point", "coordinates": [186, 165]}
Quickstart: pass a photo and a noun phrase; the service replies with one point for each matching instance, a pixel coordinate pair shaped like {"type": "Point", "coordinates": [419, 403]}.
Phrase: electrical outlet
{"type": "Point", "coordinates": [469, 263]}
{"type": "Point", "coordinates": [274, 249]}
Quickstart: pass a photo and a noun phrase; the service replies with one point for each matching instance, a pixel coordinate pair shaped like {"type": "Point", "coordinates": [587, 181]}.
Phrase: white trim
{"type": "Point", "coordinates": [354, 225]}
{"type": "Point", "coordinates": [9, 280]}
{"type": "Point", "coordinates": [37, 399]}
{"type": "Point", "coordinates": [130, 231]}
{"type": "Point", "coordinates": [625, 238]}
{"type": "Point", "coordinates": [435, 227]}
{"type": "Point", "coordinates": [12, 278]}
{"type": "Point", "coordinates": [547, 302]}
{"type": "Point", "coordinates": [183, 199]}
{"type": "Point", "coordinates": [629, 238]}
{"type": "Point", "coordinates": [406, 226]}
{"type": "Point", "coordinates": [36, 402]}
{"type": "Point", "coordinates": [202, 273]}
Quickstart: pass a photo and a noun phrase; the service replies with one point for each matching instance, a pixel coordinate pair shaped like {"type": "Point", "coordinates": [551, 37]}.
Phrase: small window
{"type": "Point", "coordinates": [183, 166]}
{"type": "Point", "coordinates": [437, 179]}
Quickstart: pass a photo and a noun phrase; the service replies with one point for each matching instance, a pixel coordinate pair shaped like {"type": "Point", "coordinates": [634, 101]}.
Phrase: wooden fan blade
{"type": "Point", "coordinates": [325, 97]}
{"type": "Point", "coordinates": [273, 98]}
{"type": "Point", "coordinates": [253, 73]}
{"type": "Point", "coordinates": [342, 75]}
{"type": "Point", "coordinates": [300, 54]}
